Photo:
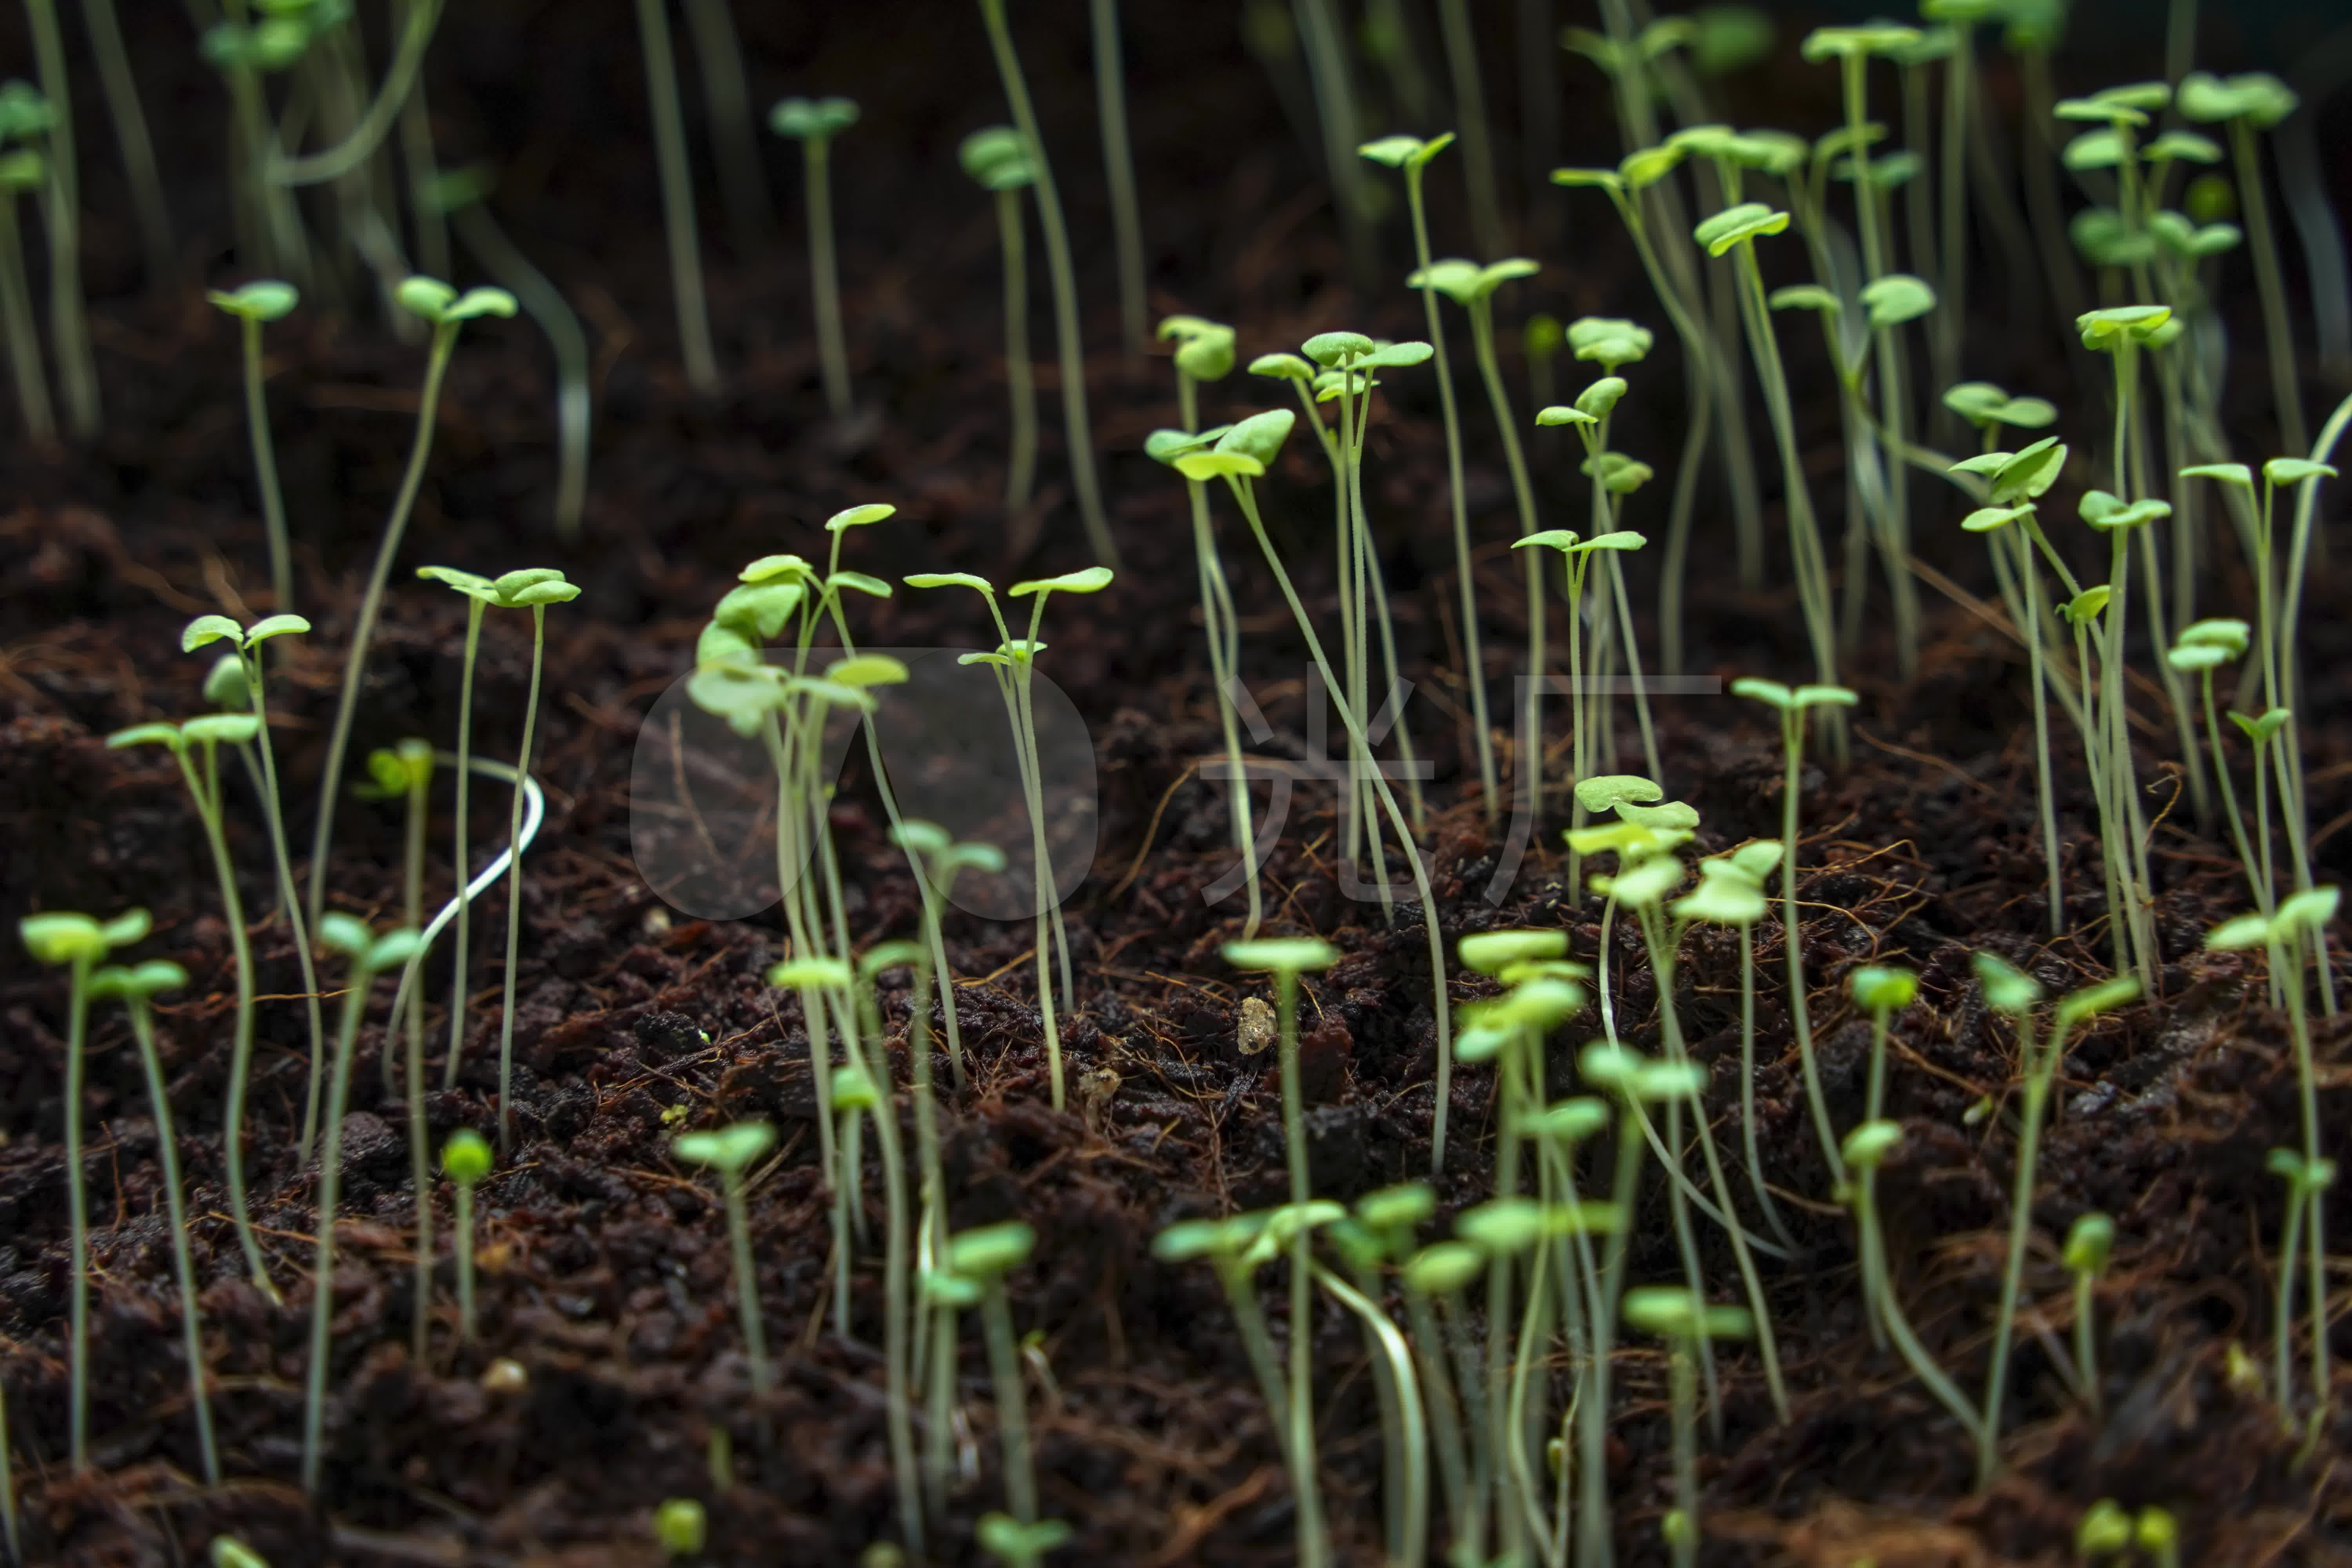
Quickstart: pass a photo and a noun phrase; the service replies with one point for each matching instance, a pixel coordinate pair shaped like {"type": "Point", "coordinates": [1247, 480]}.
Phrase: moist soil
{"type": "Point", "coordinates": [603, 1267]}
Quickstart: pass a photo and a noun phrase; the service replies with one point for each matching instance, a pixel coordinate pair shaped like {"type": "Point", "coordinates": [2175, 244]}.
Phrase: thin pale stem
{"type": "Point", "coordinates": [678, 199]}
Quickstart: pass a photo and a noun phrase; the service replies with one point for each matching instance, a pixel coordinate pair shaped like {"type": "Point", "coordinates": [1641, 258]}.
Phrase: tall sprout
{"type": "Point", "coordinates": [997, 158]}
{"type": "Point", "coordinates": [1063, 274]}
{"type": "Point", "coordinates": [813, 123]}
{"type": "Point", "coordinates": [677, 198]}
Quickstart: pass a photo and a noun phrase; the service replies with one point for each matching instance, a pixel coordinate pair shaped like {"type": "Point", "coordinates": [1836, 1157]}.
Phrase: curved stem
{"type": "Point", "coordinates": [355, 149]}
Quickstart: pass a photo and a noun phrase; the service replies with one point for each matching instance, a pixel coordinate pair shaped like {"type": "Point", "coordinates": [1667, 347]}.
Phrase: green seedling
{"type": "Point", "coordinates": [1577, 558]}
{"type": "Point", "coordinates": [1402, 1422]}
{"type": "Point", "coordinates": [982, 1259]}
{"type": "Point", "coordinates": [1411, 157]}
{"type": "Point", "coordinates": [1287, 958]}
{"type": "Point", "coordinates": [727, 104]}
{"type": "Point", "coordinates": [878, 1094]}
{"type": "Point", "coordinates": [998, 159]}
{"type": "Point", "coordinates": [2203, 647]}
{"type": "Point", "coordinates": [135, 988]}
{"type": "Point", "coordinates": [678, 199]}
{"type": "Point", "coordinates": [1793, 705]}
{"type": "Point", "coordinates": [1065, 287]}
{"type": "Point", "coordinates": [813, 123]}
{"type": "Point", "coordinates": [1119, 165]}
{"type": "Point", "coordinates": [2300, 920]}
{"type": "Point", "coordinates": [253, 304]}
{"type": "Point", "coordinates": [2014, 994]}
{"type": "Point", "coordinates": [732, 1150]}
{"type": "Point", "coordinates": [1019, 1545]}
{"type": "Point", "coordinates": [1650, 872]}
{"type": "Point", "coordinates": [24, 116]}
{"type": "Point", "coordinates": [2306, 1182]}
{"type": "Point", "coordinates": [2156, 1533]}
{"type": "Point", "coordinates": [2103, 1531]}
{"type": "Point", "coordinates": [1737, 228]}
{"type": "Point", "coordinates": [69, 324]}
{"type": "Point", "coordinates": [78, 943]}
{"type": "Point", "coordinates": [533, 588]}
{"type": "Point", "coordinates": [405, 774]}
{"type": "Point", "coordinates": [196, 747]}
{"type": "Point", "coordinates": [681, 1527]}
{"type": "Point", "coordinates": [1683, 1320]}
{"type": "Point", "coordinates": [1731, 892]}
{"type": "Point", "coordinates": [1864, 1150]}
{"type": "Point", "coordinates": [1881, 991]}
{"type": "Point", "coordinates": [1472, 288]}
{"type": "Point", "coordinates": [447, 311]}
{"type": "Point", "coordinates": [1204, 351]}
{"type": "Point", "coordinates": [946, 861]}
{"type": "Point", "coordinates": [136, 147]}
{"type": "Point", "coordinates": [2089, 1243]}
{"type": "Point", "coordinates": [480, 595]}
{"type": "Point", "coordinates": [228, 1552]}
{"type": "Point", "coordinates": [464, 1159]}
{"type": "Point", "coordinates": [1674, 278]}
{"type": "Point", "coordinates": [1240, 456]}
{"type": "Point", "coordinates": [816, 980]}
{"type": "Point", "coordinates": [243, 683]}
{"type": "Point", "coordinates": [1612, 343]}
{"type": "Point", "coordinates": [370, 956]}
{"type": "Point", "coordinates": [1231, 1247]}
{"type": "Point", "coordinates": [1014, 665]}
{"type": "Point", "coordinates": [2249, 104]}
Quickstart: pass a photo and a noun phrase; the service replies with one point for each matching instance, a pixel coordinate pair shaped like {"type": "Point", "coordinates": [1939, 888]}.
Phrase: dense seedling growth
{"type": "Point", "coordinates": [1897, 1124]}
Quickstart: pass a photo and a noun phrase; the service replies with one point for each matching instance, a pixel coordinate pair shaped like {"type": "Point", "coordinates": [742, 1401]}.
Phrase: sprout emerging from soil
{"type": "Point", "coordinates": [370, 956]}
{"type": "Point", "coordinates": [2300, 920]}
{"type": "Point", "coordinates": [813, 123]}
{"type": "Point", "coordinates": [195, 746]}
{"type": "Point", "coordinates": [2014, 994]}
{"type": "Point", "coordinates": [228, 1552]}
{"type": "Point", "coordinates": [731, 1151]}
{"type": "Point", "coordinates": [1794, 706]}
{"type": "Point", "coordinates": [447, 311]}
{"type": "Point", "coordinates": [680, 1527]}
{"type": "Point", "coordinates": [979, 1261]}
{"type": "Point", "coordinates": [1019, 1545]}
{"type": "Point", "coordinates": [1864, 1148]}
{"type": "Point", "coordinates": [1684, 1321]}
{"type": "Point", "coordinates": [1287, 958]}
{"type": "Point", "coordinates": [2088, 1246]}
{"type": "Point", "coordinates": [464, 1159]}
{"type": "Point", "coordinates": [78, 943]}
{"type": "Point", "coordinates": [135, 988]}
{"type": "Point", "coordinates": [253, 304]}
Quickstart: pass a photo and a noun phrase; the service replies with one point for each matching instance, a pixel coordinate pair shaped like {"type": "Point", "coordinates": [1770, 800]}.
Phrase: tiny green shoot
{"type": "Point", "coordinates": [2089, 1243]}
{"type": "Point", "coordinates": [677, 198]}
{"type": "Point", "coordinates": [813, 123]}
{"type": "Point", "coordinates": [997, 158]}
{"type": "Point", "coordinates": [253, 304]}
{"type": "Point", "coordinates": [680, 1527]}
{"type": "Point", "coordinates": [466, 1159]}
{"type": "Point", "coordinates": [732, 1150]}
{"type": "Point", "coordinates": [370, 955]}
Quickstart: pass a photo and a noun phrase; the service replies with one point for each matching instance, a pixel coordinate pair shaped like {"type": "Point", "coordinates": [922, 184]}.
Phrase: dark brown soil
{"type": "Point", "coordinates": [605, 1265]}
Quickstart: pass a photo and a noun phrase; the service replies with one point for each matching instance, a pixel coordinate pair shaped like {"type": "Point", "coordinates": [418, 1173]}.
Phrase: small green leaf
{"type": "Point", "coordinates": [1869, 1144]}
{"type": "Point", "coordinates": [221, 728]}
{"type": "Point", "coordinates": [1734, 225]}
{"type": "Point", "coordinates": [730, 1149]}
{"type": "Point", "coordinates": [2007, 989]}
{"type": "Point", "coordinates": [812, 119]}
{"type": "Point", "coordinates": [1758, 690]}
{"type": "Point", "coordinates": [2086, 606]}
{"type": "Point", "coordinates": [1646, 166]}
{"type": "Point", "coordinates": [2295, 471]}
{"type": "Point", "coordinates": [1882, 988]}
{"type": "Point", "coordinates": [1986, 519]}
{"type": "Point", "coordinates": [477, 303]}
{"type": "Point", "coordinates": [1259, 438]}
{"type": "Point", "coordinates": [2089, 1242]}
{"type": "Point", "coordinates": [62, 938]}
{"type": "Point", "coordinates": [2093, 150]}
{"type": "Point", "coordinates": [1560, 415]}
{"type": "Point", "coordinates": [2236, 474]}
{"type": "Point", "coordinates": [1805, 297]}
{"type": "Point", "coordinates": [1287, 955]}
{"type": "Point", "coordinates": [1897, 298]}
{"type": "Point", "coordinates": [2310, 909]}
{"type": "Point", "coordinates": [2105, 996]}
{"type": "Point", "coordinates": [1603, 179]}
{"type": "Point", "coordinates": [2239, 932]}
{"type": "Point", "coordinates": [2184, 144]}
{"type": "Point", "coordinates": [264, 299]}
{"type": "Point", "coordinates": [1331, 349]}
{"type": "Point", "coordinates": [1595, 402]}
{"type": "Point", "coordinates": [2221, 632]}
{"type": "Point", "coordinates": [206, 630]}
{"type": "Point", "coordinates": [949, 580]}
{"type": "Point", "coordinates": [1720, 900]}
{"type": "Point", "coordinates": [1086, 580]}
{"type": "Point", "coordinates": [1490, 952]}
{"type": "Point", "coordinates": [991, 1250]}
{"type": "Point", "coordinates": [1286, 367]}
{"type": "Point", "coordinates": [1218, 465]}
{"type": "Point", "coordinates": [1560, 539]}
{"type": "Point", "coordinates": [863, 670]}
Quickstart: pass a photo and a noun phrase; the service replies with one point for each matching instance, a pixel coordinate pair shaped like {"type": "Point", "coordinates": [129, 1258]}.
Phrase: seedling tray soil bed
{"type": "Point", "coordinates": [608, 1373]}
